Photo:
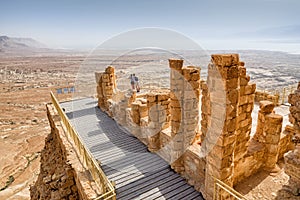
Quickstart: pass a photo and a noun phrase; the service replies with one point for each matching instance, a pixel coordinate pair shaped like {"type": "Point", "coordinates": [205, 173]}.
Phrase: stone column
{"type": "Point", "coordinates": [292, 158]}
{"type": "Point", "coordinates": [184, 94]}
{"type": "Point", "coordinates": [176, 95]}
{"type": "Point", "coordinates": [244, 120]}
{"type": "Point", "coordinates": [159, 117]}
{"type": "Point", "coordinates": [205, 110]}
{"type": "Point", "coordinates": [268, 130]}
{"type": "Point", "coordinates": [106, 83]}
{"type": "Point", "coordinates": [220, 139]}
{"type": "Point", "coordinates": [272, 131]}
{"type": "Point", "coordinates": [190, 107]}
{"type": "Point", "coordinates": [266, 107]}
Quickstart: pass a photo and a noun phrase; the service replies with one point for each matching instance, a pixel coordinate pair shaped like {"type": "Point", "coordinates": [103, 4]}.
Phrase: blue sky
{"type": "Point", "coordinates": [215, 24]}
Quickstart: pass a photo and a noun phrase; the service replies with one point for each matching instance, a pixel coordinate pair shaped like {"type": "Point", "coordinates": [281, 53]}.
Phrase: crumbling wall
{"type": "Point", "coordinates": [61, 174]}
{"type": "Point", "coordinates": [265, 96]}
{"type": "Point", "coordinates": [292, 158]}
{"type": "Point", "coordinates": [222, 82]}
{"type": "Point", "coordinates": [106, 83]}
{"type": "Point", "coordinates": [185, 94]}
{"type": "Point", "coordinates": [285, 142]}
{"type": "Point", "coordinates": [221, 146]}
{"type": "Point", "coordinates": [244, 121]}
{"type": "Point", "coordinates": [158, 107]}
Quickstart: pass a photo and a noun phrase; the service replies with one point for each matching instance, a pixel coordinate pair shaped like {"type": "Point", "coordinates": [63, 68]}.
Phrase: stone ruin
{"type": "Point", "coordinates": [292, 158]}
{"type": "Point", "coordinates": [202, 127]}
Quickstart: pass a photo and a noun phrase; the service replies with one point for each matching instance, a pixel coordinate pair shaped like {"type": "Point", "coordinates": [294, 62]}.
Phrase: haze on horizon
{"type": "Point", "coordinates": [215, 24]}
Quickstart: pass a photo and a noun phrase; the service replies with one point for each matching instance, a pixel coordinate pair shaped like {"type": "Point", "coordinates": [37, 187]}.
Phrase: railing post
{"type": "Point", "coordinates": [283, 95]}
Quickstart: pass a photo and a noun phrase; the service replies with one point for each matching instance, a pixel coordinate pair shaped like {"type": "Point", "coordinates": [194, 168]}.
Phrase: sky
{"type": "Point", "coordinates": [214, 24]}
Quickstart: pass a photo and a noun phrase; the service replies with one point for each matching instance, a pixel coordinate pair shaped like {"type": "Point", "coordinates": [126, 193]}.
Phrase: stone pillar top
{"type": "Point", "coordinates": [110, 70]}
{"type": "Point", "coordinates": [225, 60]}
{"type": "Point", "coordinates": [266, 106]}
{"type": "Point", "coordinates": [176, 63]}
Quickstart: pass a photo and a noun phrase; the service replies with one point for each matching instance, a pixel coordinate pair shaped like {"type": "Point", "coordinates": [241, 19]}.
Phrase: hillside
{"type": "Point", "coordinates": [10, 45]}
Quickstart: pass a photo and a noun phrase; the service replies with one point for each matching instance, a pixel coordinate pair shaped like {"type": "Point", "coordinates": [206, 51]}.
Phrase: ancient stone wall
{"type": "Point", "coordinates": [106, 83]}
{"type": "Point", "coordinates": [244, 121]}
{"type": "Point", "coordinates": [265, 96]}
{"type": "Point", "coordinates": [292, 158]}
{"type": "Point", "coordinates": [61, 174]}
{"type": "Point", "coordinates": [222, 82]}
{"type": "Point", "coordinates": [268, 132]}
{"type": "Point", "coordinates": [285, 143]}
{"type": "Point", "coordinates": [167, 121]}
{"type": "Point", "coordinates": [185, 94]}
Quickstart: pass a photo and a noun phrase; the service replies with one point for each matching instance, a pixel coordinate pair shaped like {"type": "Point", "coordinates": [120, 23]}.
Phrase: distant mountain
{"type": "Point", "coordinates": [20, 45]}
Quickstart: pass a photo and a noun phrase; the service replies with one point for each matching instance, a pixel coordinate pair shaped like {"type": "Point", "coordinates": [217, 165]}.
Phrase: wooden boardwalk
{"type": "Point", "coordinates": [138, 173]}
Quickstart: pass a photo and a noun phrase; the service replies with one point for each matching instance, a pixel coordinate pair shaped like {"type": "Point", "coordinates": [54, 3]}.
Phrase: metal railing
{"type": "Point", "coordinates": [220, 186]}
{"type": "Point", "coordinates": [107, 188]}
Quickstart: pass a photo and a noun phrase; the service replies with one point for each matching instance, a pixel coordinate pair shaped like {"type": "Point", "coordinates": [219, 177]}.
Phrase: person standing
{"type": "Point", "coordinates": [132, 81]}
{"type": "Point", "coordinates": [136, 82]}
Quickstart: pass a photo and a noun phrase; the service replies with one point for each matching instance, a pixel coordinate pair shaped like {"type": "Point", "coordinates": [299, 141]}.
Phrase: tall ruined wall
{"type": "Point", "coordinates": [167, 121]}
{"type": "Point", "coordinates": [292, 158]}
{"type": "Point", "coordinates": [106, 83]}
{"type": "Point", "coordinates": [61, 174]}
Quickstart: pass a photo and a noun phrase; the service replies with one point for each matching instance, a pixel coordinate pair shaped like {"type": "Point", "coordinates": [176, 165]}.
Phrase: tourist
{"type": "Point", "coordinates": [132, 81]}
{"type": "Point", "coordinates": [136, 81]}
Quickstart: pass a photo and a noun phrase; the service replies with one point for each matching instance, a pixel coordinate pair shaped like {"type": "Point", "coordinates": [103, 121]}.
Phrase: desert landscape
{"type": "Point", "coordinates": [27, 78]}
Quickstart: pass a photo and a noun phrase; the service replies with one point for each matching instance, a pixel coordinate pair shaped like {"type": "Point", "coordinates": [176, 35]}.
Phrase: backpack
{"type": "Point", "coordinates": [136, 78]}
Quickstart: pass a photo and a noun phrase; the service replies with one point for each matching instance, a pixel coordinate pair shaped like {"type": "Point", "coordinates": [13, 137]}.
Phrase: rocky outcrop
{"type": "Point", "coordinates": [292, 158]}
{"type": "Point", "coordinates": [62, 175]}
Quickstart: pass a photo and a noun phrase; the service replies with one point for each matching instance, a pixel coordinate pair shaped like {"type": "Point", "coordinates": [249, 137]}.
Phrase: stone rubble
{"type": "Point", "coordinates": [61, 174]}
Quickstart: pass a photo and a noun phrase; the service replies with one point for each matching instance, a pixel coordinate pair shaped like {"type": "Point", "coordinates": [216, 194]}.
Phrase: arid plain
{"type": "Point", "coordinates": [26, 81]}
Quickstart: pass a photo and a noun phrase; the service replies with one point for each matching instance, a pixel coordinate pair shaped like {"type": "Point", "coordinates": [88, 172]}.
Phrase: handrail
{"type": "Point", "coordinates": [218, 184]}
{"type": "Point", "coordinates": [89, 161]}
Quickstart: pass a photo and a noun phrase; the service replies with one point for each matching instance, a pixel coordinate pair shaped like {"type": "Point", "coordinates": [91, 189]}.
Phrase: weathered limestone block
{"type": "Point", "coordinates": [176, 64]}
{"type": "Point", "coordinates": [292, 158]}
{"type": "Point", "coordinates": [194, 168]}
{"type": "Point", "coordinates": [272, 131]}
{"type": "Point", "coordinates": [61, 173]}
{"type": "Point", "coordinates": [223, 76]}
{"type": "Point", "coordinates": [106, 84]}
{"type": "Point", "coordinates": [159, 115]}
{"type": "Point", "coordinates": [250, 163]}
{"type": "Point", "coordinates": [266, 107]}
{"type": "Point", "coordinates": [184, 104]}
{"type": "Point", "coordinates": [285, 143]}
{"type": "Point", "coordinates": [135, 114]}
{"type": "Point", "coordinates": [225, 60]}
{"type": "Point", "coordinates": [265, 96]}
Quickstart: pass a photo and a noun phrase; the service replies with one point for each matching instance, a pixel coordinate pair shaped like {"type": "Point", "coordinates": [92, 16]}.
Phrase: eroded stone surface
{"type": "Point", "coordinates": [292, 158]}
{"type": "Point", "coordinates": [168, 120]}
